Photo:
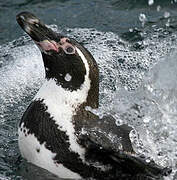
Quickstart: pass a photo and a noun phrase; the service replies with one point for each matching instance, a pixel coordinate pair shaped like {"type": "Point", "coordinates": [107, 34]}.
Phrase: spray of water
{"type": "Point", "coordinates": [132, 88]}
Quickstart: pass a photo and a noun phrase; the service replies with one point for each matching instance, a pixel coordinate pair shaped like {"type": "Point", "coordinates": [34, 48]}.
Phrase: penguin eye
{"type": "Point", "coordinates": [69, 50]}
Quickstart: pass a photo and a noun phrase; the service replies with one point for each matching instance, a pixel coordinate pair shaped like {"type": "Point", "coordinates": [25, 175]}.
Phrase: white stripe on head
{"type": "Point", "coordinates": [85, 62]}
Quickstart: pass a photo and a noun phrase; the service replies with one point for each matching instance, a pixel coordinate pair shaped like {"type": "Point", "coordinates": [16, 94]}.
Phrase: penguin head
{"type": "Point", "coordinates": [65, 60]}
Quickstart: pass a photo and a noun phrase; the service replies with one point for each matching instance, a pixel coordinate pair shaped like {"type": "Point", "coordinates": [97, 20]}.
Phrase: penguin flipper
{"type": "Point", "coordinates": [139, 166]}
{"type": "Point", "coordinates": [111, 144]}
{"type": "Point", "coordinates": [127, 163]}
{"type": "Point", "coordinates": [106, 133]}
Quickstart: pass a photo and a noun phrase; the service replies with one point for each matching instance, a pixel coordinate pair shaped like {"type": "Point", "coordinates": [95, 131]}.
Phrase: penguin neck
{"type": "Point", "coordinates": [93, 93]}
{"type": "Point", "coordinates": [86, 95]}
{"type": "Point", "coordinates": [52, 93]}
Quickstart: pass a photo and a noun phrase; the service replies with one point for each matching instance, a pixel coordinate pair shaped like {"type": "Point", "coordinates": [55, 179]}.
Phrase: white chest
{"type": "Point", "coordinates": [61, 105]}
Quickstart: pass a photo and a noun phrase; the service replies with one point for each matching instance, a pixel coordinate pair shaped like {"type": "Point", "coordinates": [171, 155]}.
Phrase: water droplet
{"type": "Point", "coordinates": [148, 160]}
{"type": "Point", "coordinates": [131, 30]}
{"type": "Point", "coordinates": [158, 8]}
{"type": "Point", "coordinates": [166, 15]}
{"type": "Point", "coordinates": [68, 77]}
{"type": "Point", "coordinates": [151, 2]}
{"type": "Point", "coordinates": [146, 120]}
{"type": "Point", "coordinates": [168, 23]}
{"type": "Point", "coordinates": [142, 18]}
{"type": "Point", "coordinates": [47, 69]}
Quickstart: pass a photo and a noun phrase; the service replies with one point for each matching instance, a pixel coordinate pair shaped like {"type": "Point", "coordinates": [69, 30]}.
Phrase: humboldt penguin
{"type": "Point", "coordinates": [57, 131]}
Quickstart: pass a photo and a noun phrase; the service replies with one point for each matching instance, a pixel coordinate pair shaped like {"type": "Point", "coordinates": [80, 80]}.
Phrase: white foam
{"type": "Point", "coordinates": [20, 76]}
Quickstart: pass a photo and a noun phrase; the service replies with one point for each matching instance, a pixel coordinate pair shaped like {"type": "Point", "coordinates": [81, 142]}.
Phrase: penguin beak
{"type": "Point", "coordinates": [43, 36]}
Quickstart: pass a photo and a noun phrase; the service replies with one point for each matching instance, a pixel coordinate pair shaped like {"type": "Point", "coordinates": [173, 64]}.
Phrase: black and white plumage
{"type": "Point", "coordinates": [57, 133]}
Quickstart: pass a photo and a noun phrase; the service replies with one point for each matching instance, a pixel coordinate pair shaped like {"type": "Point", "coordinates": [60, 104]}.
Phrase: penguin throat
{"type": "Point", "coordinates": [55, 95]}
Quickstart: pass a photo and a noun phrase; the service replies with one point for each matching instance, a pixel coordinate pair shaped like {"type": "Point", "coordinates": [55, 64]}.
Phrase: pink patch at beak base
{"type": "Point", "coordinates": [48, 45]}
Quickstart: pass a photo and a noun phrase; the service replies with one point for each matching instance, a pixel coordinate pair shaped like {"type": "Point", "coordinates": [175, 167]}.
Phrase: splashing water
{"type": "Point", "coordinates": [132, 88]}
